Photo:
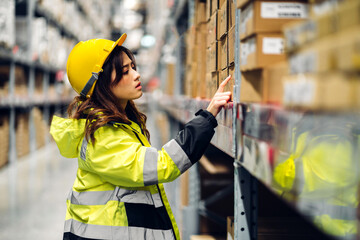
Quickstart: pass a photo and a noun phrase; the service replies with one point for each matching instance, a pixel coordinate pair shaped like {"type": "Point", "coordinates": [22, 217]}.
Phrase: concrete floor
{"type": "Point", "coordinates": [33, 193]}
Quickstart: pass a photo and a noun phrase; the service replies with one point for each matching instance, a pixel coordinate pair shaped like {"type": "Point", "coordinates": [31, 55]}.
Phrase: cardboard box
{"type": "Point", "coordinates": [201, 63]}
{"type": "Point", "coordinates": [22, 134]}
{"type": "Point", "coordinates": [200, 12]}
{"type": "Point", "coordinates": [333, 91]}
{"type": "Point", "coordinates": [214, 6]}
{"type": "Point", "coordinates": [212, 84]}
{"type": "Point", "coordinates": [211, 58]}
{"type": "Point", "coordinates": [221, 2]}
{"type": "Point", "coordinates": [231, 14]}
{"type": "Point", "coordinates": [348, 14]}
{"type": "Point", "coordinates": [261, 50]}
{"type": "Point", "coordinates": [231, 45]}
{"type": "Point", "coordinates": [222, 53]}
{"type": "Point", "coordinates": [4, 139]}
{"type": "Point", "coordinates": [222, 19]}
{"type": "Point", "coordinates": [208, 10]}
{"type": "Point", "coordinates": [347, 51]}
{"type": "Point", "coordinates": [194, 83]}
{"type": "Point", "coordinates": [231, 83]}
{"type": "Point", "coordinates": [273, 82]}
{"type": "Point", "coordinates": [269, 17]}
{"type": "Point", "coordinates": [170, 80]}
{"type": "Point", "coordinates": [212, 29]}
{"type": "Point", "coordinates": [316, 57]}
{"type": "Point", "coordinates": [230, 228]}
{"type": "Point", "coordinates": [252, 86]}
{"type": "Point", "coordinates": [223, 74]}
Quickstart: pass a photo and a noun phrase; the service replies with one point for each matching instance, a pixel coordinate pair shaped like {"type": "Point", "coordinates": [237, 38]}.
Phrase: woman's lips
{"type": "Point", "coordinates": [138, 86]}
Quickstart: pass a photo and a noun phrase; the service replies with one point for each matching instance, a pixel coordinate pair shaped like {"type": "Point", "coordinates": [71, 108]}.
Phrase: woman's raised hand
{"type": "Point", "coordinates": [220, 98]}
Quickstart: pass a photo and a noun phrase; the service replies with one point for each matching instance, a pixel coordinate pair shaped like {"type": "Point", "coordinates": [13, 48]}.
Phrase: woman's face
{"type": "Point", "coordinates": [129, 87]}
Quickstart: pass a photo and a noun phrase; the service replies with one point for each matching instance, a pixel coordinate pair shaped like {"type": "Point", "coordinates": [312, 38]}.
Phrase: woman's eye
{"type": "Point", "coordinates": [126, 72]}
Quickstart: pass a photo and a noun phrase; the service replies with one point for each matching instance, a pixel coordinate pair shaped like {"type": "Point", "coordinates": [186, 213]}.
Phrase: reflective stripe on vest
{"type": "Point", "coordinates": [178, 155]}
{"type": "Point", "coordinates": [115, 232]}
{"type": "Point", "coordinates": [83, 149]}
{"type": "Point", "coordinates": [119, 194]}
{"type": "Point", "coordinates": [150, 173]}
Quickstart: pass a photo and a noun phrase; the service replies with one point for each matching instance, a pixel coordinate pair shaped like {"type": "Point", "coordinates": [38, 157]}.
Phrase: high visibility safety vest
{"type": "Point", "coordinates": [321, 175]}
{"type": "Point", "coordinates": [118, 191]}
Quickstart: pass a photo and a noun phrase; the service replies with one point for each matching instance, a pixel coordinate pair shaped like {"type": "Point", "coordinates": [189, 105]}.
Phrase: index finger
{"type": "Point", "coordinates": [223, 84]}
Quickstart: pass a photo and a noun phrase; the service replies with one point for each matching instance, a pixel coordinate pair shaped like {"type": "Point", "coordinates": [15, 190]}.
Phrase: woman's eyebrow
{"type": "Point", "coordinates": [127, 65]}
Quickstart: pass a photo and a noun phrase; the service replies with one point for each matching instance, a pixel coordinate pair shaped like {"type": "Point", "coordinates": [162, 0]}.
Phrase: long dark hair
{"type": "Point", "coordinates": [101, 108]}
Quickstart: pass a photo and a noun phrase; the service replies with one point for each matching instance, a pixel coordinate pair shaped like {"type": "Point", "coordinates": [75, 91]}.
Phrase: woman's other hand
{"type": "Point", "coordinates": [220, 98]}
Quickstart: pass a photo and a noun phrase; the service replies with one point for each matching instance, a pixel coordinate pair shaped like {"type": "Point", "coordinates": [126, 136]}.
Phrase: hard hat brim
{"type": "Point", "coordinates": [121, 40]}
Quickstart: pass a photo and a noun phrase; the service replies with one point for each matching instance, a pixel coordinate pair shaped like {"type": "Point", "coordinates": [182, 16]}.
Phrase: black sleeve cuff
{"type": "Point", "coordinates": [208, 116]}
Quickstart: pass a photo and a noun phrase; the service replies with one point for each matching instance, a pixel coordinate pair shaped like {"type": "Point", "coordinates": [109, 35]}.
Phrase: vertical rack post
{"type": "Point", "coordinates": [12, 132]}
{"type": "Point", "coordinates": [31, 84]}
{"type": "Point", "coordinates": [245, 186]}
{"type": "Point", "coordinates": [46, 113]}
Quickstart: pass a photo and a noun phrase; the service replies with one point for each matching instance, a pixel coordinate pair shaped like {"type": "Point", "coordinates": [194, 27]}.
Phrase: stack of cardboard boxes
{"type": "Point", "coordinates": [262, 50]}
{"type": "Point", "coordinates": [4, 139]}
{"type": "Point", "coordinates": [22, 134]}
{"type": "Point", "coordinates": [324, 58]}
{"type": "Point", "coordinates": [220, 44]}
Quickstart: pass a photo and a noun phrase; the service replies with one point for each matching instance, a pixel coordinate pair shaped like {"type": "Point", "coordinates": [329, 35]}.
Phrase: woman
{"type": "Point", "coordinates": [118, 191]}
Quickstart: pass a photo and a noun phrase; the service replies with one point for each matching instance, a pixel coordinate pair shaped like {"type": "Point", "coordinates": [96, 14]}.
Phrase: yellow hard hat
{"type": "Point", "coordinates": [85, 62]}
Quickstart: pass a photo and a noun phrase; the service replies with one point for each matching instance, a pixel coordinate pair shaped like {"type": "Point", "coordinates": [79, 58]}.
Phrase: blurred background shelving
{"type": "Point", "coordinates": [284, 161]}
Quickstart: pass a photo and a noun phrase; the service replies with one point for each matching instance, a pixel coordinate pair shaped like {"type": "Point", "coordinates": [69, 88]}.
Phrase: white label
{"type": "Point", "coordinates": [273, 45]}
{"type": "Point", "coordinates": [283, 10]}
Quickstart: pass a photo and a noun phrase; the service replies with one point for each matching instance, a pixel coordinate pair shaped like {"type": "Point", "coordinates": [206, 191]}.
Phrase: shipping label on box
{"type": "Point", "coordinates": [261, 50]}
{"type": "Point", "coordinates": [212, 29]}
{"type": "Point", "coordinates": [222, 53]}
{"type": "Point", "coordinates": [283, 10]}
{"type": "Point", "coordinates": [231, 45]}
{"type": "Point", "coordinates": [262, 16]}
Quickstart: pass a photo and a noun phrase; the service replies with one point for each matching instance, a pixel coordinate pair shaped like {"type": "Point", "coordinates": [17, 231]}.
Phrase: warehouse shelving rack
{"type": "Point", "coordinates": [51, 76]}
{"type": "Point", "coordinates": [268, 127]}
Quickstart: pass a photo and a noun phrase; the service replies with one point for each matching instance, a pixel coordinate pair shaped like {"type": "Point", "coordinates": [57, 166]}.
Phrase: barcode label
{"type": "Point", "coordinates": [273, 45]}
{"type": "Point", "coordinates": [284, 10]}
